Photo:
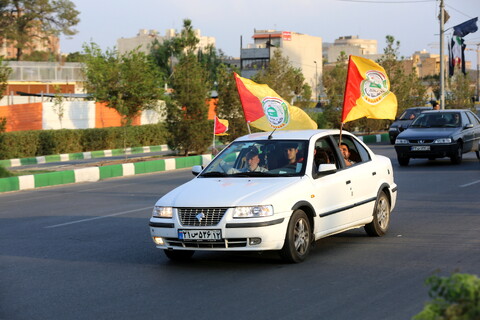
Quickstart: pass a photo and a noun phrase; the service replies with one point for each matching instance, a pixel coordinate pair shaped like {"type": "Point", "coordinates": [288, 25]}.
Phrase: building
{"type": "Point", "coordinates": [352, 45]}
{"type": "Point", "coordinates": [143, 40]}
{"type": "Point", "coordinates": [9, 51]}
{"type": "Point", "coordinates": [303, 51]}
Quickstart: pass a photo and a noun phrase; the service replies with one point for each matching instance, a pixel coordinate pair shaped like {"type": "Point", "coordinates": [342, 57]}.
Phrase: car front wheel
{"type": "Point", "coordinates": [179, 255]}
{"type": "Point", "coordinates": [298, 238]}
{"type": "Point", "coordinates": [456, 158]}
{"type": "Point", "coordinates": [381, 217]}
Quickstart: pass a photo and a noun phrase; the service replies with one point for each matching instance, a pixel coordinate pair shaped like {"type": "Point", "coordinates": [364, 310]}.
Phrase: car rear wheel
{"type": "Point", "coordinates": [456, 158]}
{"type": "Point", "coordinates": [381, 217]}
{"type": "Point", "coordinates": [179, 255]}
{"type": "Point", "coordinates": [403, 161]}
{"type": "Point", "coordinates": [298, 238]}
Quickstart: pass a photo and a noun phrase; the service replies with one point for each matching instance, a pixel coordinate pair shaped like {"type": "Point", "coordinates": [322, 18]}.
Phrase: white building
{"type": "Point", "coordinates": [144, 39]}
{"type": "Point", "coordinates": [352, 45]}
{"type": "Point", "coordinates": [303, 51]}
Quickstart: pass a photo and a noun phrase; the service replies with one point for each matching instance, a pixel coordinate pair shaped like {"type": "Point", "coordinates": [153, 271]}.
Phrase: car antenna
{"type": "Point", "coordinates": [270, 136]}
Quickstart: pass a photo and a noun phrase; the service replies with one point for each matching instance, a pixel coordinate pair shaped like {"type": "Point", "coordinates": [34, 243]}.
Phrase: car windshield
{"type": "Point", "coordinates": [437, 120]}
{"type": "Point", "coordinates": [264, 158]}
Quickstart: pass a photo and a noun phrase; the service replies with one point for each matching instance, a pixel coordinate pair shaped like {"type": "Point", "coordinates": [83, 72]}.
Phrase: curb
{"type": "Point", "coordinates": [80, 156]}
{"type": "Point", "coordinates": [92, 174]}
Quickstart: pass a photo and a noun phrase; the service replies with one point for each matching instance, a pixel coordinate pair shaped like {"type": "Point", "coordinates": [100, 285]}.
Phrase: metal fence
{"type": "Point", "coordinates": [45, 71]}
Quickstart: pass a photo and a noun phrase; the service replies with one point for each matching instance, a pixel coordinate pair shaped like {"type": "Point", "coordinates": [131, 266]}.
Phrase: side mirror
{"type": "Point", "coordinates": [196, 170]}
{"type": "Point", "coordinates": [326, 168]}
{"type": "Point", "coordinates": [468, 126]}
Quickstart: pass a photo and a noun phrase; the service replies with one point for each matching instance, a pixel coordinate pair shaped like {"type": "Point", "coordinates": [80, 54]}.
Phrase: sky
{"type": "Point", "coordinates": [412, 22]}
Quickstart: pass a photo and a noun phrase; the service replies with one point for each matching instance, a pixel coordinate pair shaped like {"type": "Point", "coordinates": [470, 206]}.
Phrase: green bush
{"type": "Point", "coordinates": [25, 144]}
{"type": "Point", "coordinates": [4, 173]}
{"type": "Point", "coordinates": [453, 298]}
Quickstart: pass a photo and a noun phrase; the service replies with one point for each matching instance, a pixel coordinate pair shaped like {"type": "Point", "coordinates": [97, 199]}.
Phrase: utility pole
{"type": "Point", "coordinates": [442, 62]}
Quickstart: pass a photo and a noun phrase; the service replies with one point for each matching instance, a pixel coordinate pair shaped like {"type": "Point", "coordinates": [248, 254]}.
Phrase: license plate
{"type": "Point", "coordinates": [199, 234]}
{"type": "Point", "coordinates": [421, 148]}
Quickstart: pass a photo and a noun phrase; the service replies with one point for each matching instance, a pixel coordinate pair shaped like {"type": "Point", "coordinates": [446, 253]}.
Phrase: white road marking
{"type": "Point", "coordinates": [469, 184]}
{"type": "Point", "coordinates": [96, 218]}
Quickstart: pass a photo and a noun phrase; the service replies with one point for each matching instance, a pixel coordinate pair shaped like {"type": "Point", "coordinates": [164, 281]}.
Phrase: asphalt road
{"type": "Point", "coordinates": [83, 251]}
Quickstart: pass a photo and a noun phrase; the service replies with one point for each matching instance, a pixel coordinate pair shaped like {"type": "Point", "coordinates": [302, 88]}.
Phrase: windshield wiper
{"type": "Point", "coordinates": [214, 174]}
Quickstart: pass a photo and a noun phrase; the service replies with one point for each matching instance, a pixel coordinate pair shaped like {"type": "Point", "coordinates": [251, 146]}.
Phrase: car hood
{"type": "Point", "coordinates": [228, 192]}
{"type": "Point", "coordinates": [432, 133]}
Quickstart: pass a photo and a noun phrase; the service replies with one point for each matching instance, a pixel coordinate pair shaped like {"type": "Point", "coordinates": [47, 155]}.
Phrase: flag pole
{"type": "Point", "coordinates": [344, 99]}
{"type": "Point", "coordinates": [214, 126]}
{"type": "Point", "coordinates": [340, 139]}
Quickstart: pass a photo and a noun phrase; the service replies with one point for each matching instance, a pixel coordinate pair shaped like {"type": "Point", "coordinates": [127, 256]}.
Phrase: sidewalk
{"type": "Point", "coordinates": [96, 173]}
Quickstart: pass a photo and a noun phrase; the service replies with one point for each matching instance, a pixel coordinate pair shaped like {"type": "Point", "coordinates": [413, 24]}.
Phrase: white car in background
{"type": "Point", "coordinates": [280, 205]}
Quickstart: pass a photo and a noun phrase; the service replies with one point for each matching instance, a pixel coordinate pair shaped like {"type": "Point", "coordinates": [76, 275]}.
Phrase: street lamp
{"type": "Point", "coordinates": [316, 85]}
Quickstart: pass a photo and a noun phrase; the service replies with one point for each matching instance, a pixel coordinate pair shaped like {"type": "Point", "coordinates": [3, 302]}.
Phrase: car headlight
{"type": "Point", "coordinates": [401, 141]}
{"type": "Point", "coordinates": [443, 140]}
{"type": "Point", "coordinates": [253, 212]}
{"type": "Point", "coordinates": [162, 212]}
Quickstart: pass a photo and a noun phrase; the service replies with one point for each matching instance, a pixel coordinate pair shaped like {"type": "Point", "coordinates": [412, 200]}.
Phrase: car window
{"type": "Point", "coordinates": [264, 158]}
{"type": "Point", "coordinates": [324, 153]}
{"type": "Point", "coordinates": [353, 149]}
{"type": "Point", "coordinates": [473, 119]}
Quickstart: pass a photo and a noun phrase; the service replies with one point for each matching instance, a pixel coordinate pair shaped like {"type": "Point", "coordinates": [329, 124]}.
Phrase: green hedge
{"type": "Point", "coordinates": [23, 144]}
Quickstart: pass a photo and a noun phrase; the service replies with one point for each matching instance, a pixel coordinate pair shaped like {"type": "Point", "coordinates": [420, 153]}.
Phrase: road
{"type": "Point", "coordinates": [83, 251]}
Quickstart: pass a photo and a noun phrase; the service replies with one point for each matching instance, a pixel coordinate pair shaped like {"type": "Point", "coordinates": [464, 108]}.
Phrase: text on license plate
{"type": "Point", "coordinates": [421, 148]}
{"type": "Point", "coordinates": [199, 234]}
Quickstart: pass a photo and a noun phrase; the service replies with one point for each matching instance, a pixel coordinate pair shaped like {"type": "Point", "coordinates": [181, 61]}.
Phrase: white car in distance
{"type": "Point", "coordinates": [277, 191]}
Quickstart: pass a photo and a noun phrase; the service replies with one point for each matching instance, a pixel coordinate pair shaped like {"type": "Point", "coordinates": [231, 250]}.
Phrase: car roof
{"type": "Point", "coordinates": [290, 134]}
{"type": "Point", "coordinates": [446, 111]}
{"type": "Point", "coordinates": [419, 108]}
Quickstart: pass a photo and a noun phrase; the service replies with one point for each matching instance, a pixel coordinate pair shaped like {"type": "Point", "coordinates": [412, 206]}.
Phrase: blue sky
{"type": "Point", "coordinates": [413, 22]}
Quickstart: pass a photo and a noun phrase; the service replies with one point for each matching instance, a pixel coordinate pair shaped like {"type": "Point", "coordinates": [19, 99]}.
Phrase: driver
{"type": "Point", "coordinates": [252, 163]}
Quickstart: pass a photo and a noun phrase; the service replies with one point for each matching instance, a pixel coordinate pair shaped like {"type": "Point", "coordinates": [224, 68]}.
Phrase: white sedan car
{"type": "Point", "coordinates": [277, 191]}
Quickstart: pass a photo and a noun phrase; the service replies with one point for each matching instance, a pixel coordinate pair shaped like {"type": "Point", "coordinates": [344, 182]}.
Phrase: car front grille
{"type": "Point", "coordinates": [201, 217]}
{"type": "Point", "coordinates": [421, 141]}
{"type": "Point", "coordinates": [216, 244]}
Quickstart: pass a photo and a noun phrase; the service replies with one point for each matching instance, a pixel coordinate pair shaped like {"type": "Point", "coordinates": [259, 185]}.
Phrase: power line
{"type": "Point", "coordinates": [458, 11]}
{"type": "Point", "coordinates": [390, 2]}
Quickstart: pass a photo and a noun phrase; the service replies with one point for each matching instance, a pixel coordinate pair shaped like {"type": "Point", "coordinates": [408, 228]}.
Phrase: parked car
{"type": "Point", "coordinates": [276, 191]}
{"type": "Point", "coordinates": [438, 134]}
{"type": "Point", "coordinates": [404, 121]}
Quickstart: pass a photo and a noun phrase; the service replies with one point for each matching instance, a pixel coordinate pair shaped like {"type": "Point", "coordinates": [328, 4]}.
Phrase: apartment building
{"type": "Point", "coordinates": [9, 51]}
{"type": "Point", "coordinates": [351, 45]}
{"type": "Point", "coordinates": [303, 51]}
{"type": "Point", "coordinates": [144, 39]}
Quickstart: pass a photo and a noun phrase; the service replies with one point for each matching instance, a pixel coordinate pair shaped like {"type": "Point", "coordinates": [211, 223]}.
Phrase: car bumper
{"type": "Point", "coordinates": [253, 234]}
{"type": "Point", "coordinates": [435, 151]}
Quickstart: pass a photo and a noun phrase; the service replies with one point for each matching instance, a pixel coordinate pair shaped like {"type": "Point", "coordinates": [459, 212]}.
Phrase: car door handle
{"type": "Point", "coordinates": [348, 182]}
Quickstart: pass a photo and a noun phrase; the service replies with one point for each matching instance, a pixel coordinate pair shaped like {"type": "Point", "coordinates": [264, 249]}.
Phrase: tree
{"type": "Point", "coordinates": [167, 53]}
{"type": "Point", "coordinates": [59, 104]}
{"type": "Point", "coordinates": [461, 93]}
{"type": "Point", "coordinates": [187, 108]}
{"type": "Point", "coordinates": [453, 298]}
{"type": "Point", "coordinates": [229, 106]}
{"type": "Point", "coordinates": [128, 83]}
{"type": "Point", "coordinates": [5, 72]}
{"type": "Point", "coordinates": [406, 86]}
{"type": "Point", "coordinates": [285, 80]}
{"type": "Point", "coordinates": [24, 20]}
